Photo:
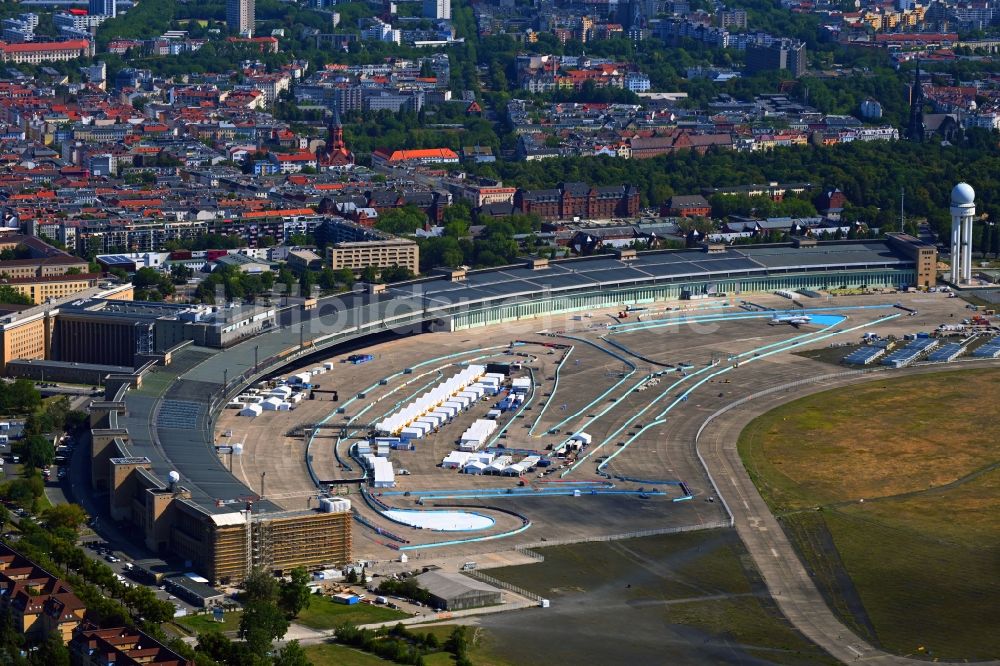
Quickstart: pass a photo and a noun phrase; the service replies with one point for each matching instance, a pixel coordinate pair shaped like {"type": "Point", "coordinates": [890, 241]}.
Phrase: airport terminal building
{"type": "Point", "coordinates": [153, 451]}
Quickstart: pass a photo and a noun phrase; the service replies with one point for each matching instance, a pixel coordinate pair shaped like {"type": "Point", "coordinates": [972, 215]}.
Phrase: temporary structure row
{"type": "Point", "coordinates": [500, 465]}
{"type": "Point", "coordinates": [433, 419]}
{"type": "Point", "coordinates": [275, 404]}
{"type": "Point", "coordinates": [475, 436]}
{"type": "Point", "coordinates": [429, 401]}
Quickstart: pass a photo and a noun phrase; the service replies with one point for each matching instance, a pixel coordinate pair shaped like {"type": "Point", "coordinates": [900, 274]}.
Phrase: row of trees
{"type": "Point", "coordinates": [51, 544]}
{"type": "Point", "coordinates": [402, 646]}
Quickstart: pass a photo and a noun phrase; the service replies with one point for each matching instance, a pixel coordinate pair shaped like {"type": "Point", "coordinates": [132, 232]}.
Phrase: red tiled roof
{"type": "Point", "coordinates": [70, 45]}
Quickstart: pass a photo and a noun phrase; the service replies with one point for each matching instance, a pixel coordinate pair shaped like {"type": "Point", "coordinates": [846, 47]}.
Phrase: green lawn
{"type": "Point", "coordinates": [482, 651]}
{"type": "Point", "coordinates": [325, 614]}
{"type": "Point", "coordinates": [331, 654]}
{"type": "Point", "coordinates": [204, 623]}
{"type": "Point", "coordinates": [914, 565]}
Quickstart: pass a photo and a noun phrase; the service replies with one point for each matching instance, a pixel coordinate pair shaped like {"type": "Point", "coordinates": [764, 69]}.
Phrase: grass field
{"type": "Point", "coordinates": [204, 623]}
{"type": "Point", "coordinates": [883, 438]}
{"type": "Point", "coordinates": [914, 565]}
{"type": "Point", "coordinates": [325, 614]}
{"type": "Point", "coordinates": [480, 651]}
{"type": "Point", "coordinates": [331, 654]}
{"type": "Point", "coordinates": [693, 591]}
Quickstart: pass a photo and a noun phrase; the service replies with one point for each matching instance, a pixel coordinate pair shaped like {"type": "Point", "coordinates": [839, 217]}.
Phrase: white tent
{"type": "Point", "coordinates": [382, 473]}
{"type": "Point", "coordinates": [455, 459]}
{"type": "Point", "coordinates": [474, 467]}
{"type": "Point", "coordinates": [251, 410]}
{"type": "Point", "coordinates": [272, 404]}
{"type": "Point", "coordinates": [521, 385]}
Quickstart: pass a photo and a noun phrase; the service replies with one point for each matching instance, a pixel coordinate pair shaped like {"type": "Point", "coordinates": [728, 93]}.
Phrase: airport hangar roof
{"type": "Point", "coordinates": [200, 371]}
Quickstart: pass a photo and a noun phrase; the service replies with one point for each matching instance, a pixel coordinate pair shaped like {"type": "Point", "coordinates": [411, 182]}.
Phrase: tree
{"type": "Point", "coordinates": [369, 274]}
{"type": "Point", "coordinates": [259, 586]}
{"type": "Point", "coordinates": [11, 295]}
{"type": "Point", "coordinates": [52, 652]}
{"type": "Point", "coordinates": [404, 220]}
{"type": "Point", "coordinates": [345, 276]}
{"type": "Point", "coordinates": [70, 516]}
{"type": "Point", "coordinates": [11, 640]}
{"type": "Point", "coordinates": [291, 655]}
{"type": "Point", "coordinates": [306, 282]}
{"type": "Point", "coordinates": [179, 273]}
{"type": "Point", "coordinates": [262, 621]}
{"type": "Point", "coordinates": [38, 451]}
{"type": "Point", "coordinates": [222, 650]}
{"type": "Point", "coordinates": [396, 273]}
{"type": "Point", "coordinates": [21, 396]}
{"type": "Point", "coordinates": [294, 595]}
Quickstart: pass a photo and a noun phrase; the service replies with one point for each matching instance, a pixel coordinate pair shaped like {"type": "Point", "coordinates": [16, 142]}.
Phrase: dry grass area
{"type": "Point", "coordinates": [913, 567]}
{"type": "Point", "coordinates": [874, 440]}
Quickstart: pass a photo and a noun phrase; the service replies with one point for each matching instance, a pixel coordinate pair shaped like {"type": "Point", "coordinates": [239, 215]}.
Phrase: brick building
{"type": "Point", "coordinates": [693, 205]}
{"type": "Point", "coordinates": [571, 200]}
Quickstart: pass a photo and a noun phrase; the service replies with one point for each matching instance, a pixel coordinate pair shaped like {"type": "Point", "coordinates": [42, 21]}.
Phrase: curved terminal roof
{"type": "Point", "coordinates": [175, 429]}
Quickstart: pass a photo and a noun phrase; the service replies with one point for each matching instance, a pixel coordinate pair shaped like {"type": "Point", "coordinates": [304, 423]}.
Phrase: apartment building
{"type": "Point", "coordinates": [358, 255]}
{"type": "Point", "coordinates": [39, 603]}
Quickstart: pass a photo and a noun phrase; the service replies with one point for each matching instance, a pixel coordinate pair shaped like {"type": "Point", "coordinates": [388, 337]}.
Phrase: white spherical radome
{"type": "Point", "coordinates": [174, 477]}
{"type": "Point", "coordinates": [963, 194]}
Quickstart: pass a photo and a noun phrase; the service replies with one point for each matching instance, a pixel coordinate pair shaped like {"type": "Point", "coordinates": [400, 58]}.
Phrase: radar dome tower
{"type": "Point", "coordinates": [963, 209]}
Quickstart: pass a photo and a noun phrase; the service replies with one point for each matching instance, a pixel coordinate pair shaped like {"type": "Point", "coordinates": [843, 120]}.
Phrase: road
{"type": "Point", "coordinates": [787, 579]}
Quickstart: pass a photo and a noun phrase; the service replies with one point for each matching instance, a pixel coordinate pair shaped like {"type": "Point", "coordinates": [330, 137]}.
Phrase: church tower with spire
{"type": "Point", "coordinates": [335, 155]}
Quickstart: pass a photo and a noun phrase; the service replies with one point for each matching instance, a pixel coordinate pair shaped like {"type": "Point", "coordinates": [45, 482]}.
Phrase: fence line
{"type": "Point", "coordinates": [504, 585]}
{"type": "Point", "coordinates": [530, 554]}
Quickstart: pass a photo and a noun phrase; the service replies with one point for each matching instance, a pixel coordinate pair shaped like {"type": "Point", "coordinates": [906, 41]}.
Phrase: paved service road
{"type": "Point", "coordinates": [786, 577]}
